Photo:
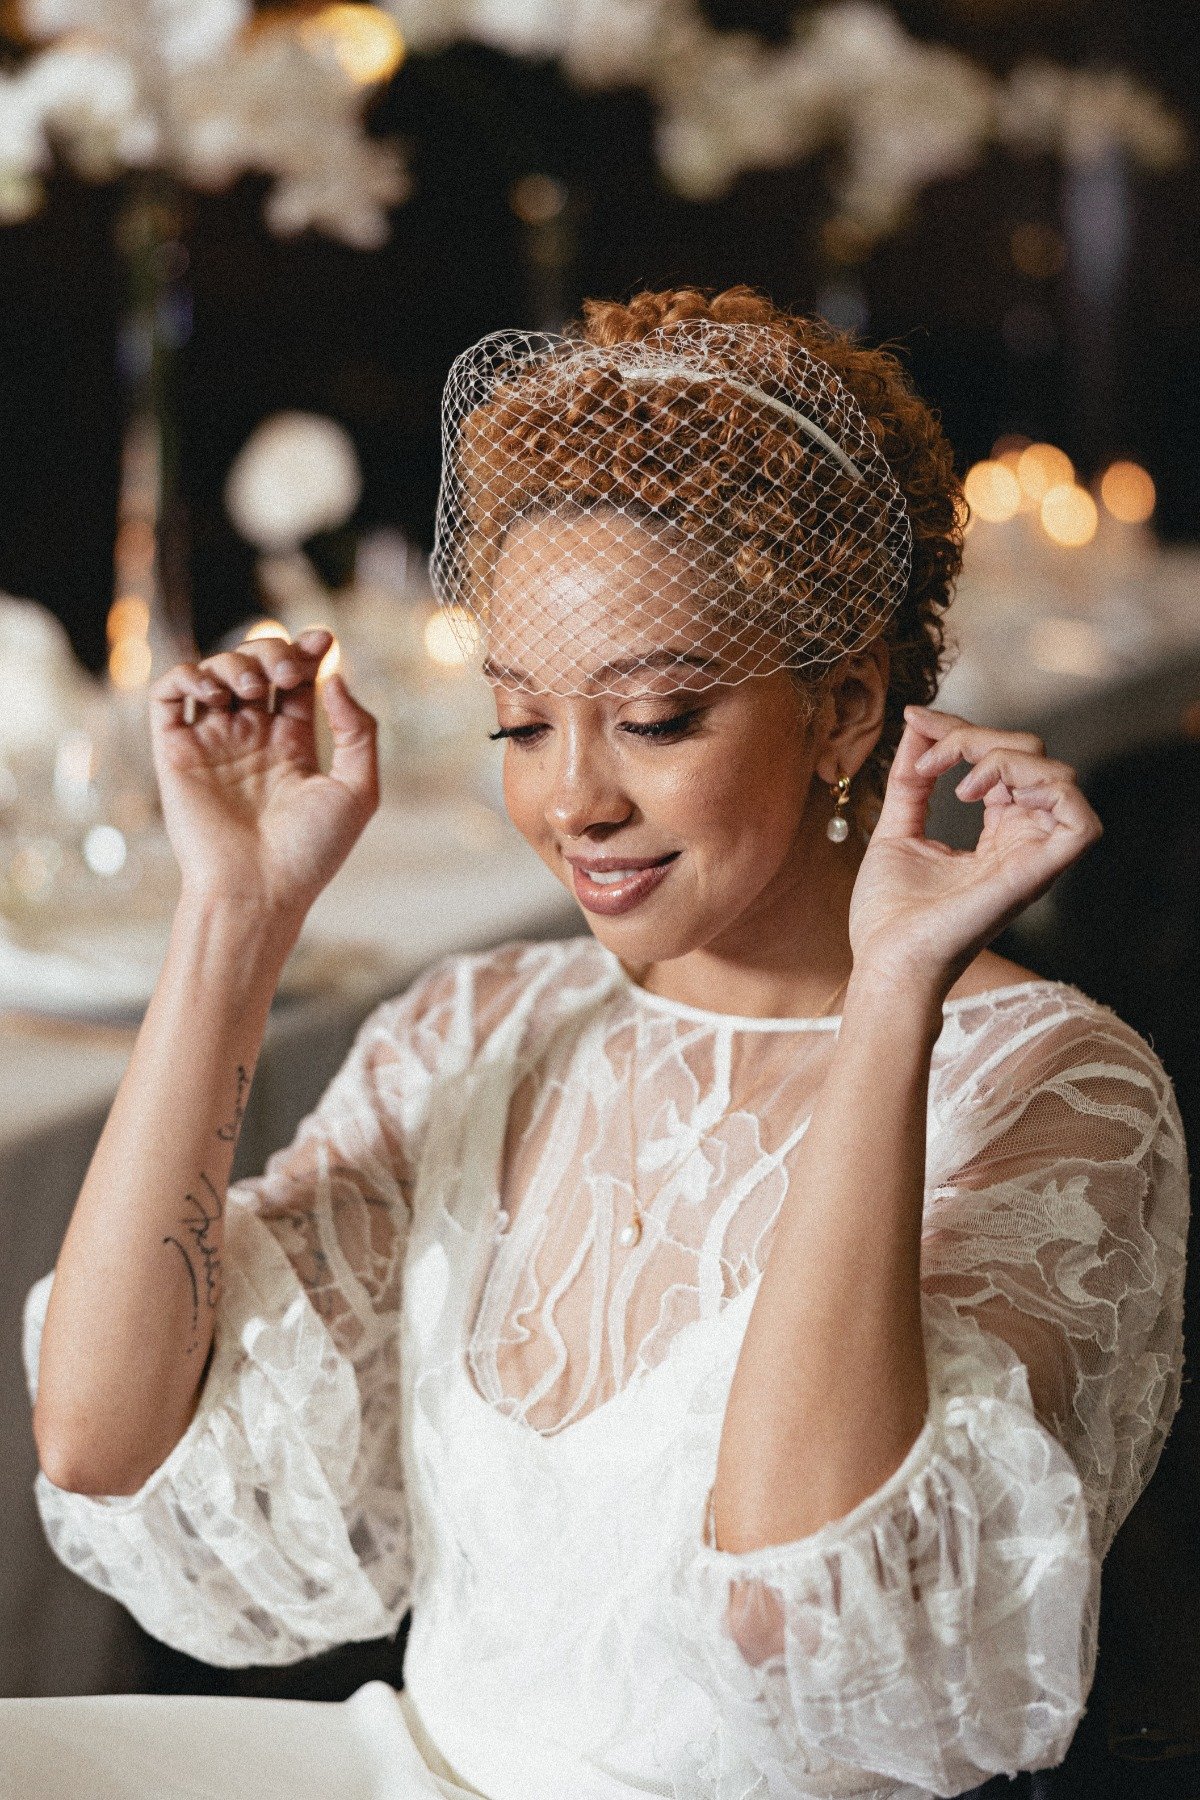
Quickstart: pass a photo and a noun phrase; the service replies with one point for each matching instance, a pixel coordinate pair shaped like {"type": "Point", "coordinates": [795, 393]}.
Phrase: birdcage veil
{"type": "Point", "coordinates": [710, 493]}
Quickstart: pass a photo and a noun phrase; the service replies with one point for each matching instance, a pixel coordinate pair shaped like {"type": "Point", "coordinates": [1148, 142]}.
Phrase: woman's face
{"type": "Point", "coordinates": [673, 809]}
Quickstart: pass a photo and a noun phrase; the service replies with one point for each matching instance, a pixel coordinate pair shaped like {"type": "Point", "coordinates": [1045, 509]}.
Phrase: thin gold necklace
{"type": "Point", "coordinates": [631, 1234]}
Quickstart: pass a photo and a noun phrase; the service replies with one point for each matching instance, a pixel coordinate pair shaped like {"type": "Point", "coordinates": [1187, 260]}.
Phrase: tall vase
{"type": "Point", "coordinates": [151, 622]}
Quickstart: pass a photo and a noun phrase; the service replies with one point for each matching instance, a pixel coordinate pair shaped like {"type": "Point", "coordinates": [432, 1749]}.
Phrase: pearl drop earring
{"type": "Point", "coordinates": [838, 828]}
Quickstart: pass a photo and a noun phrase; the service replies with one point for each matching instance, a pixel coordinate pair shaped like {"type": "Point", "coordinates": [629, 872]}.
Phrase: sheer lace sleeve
{"type": "Point", "coordinates": [277, 1526]}
{"type": "Point", "coordinates": [944, 1630]}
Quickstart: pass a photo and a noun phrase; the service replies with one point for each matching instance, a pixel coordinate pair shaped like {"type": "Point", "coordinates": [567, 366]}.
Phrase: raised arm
{"type": "Point", "coordinates": [831, 1381]}
{"type": "Point", "coordinates": [258, 831]}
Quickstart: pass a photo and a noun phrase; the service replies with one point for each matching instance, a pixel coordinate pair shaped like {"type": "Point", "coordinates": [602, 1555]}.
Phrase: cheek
{"type": "Point", "coordinates": [523, 795]}
{"type": "Point", "coordinates": [730, 799]}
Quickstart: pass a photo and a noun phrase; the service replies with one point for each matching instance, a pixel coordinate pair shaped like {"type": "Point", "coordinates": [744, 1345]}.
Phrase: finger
{"type": "Point", "coordinates": [240, 673]}
{"type": "Point", "coordinates": [355, 762]}
{"type": "Point", "coordinates": [906, 797]}
{"type": "Point", "coordinates": [183, 690]}
{"type": "Point", "coordinates": [961, 741]}
{"type": "Point", "coordinates": [1017, 769]}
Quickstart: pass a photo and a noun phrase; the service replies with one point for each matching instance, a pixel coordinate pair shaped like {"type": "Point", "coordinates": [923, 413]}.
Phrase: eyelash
{"type": "Point", "coordinates": [660, 729]}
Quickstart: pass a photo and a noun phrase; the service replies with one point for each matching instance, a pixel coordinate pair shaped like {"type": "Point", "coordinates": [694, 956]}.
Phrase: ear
{"type": "Point", "coordinates": [851, 715]}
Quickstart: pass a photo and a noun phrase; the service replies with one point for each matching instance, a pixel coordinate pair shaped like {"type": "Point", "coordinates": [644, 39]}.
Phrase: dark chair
{"type": "Point", "coordinates": [1124, 925]}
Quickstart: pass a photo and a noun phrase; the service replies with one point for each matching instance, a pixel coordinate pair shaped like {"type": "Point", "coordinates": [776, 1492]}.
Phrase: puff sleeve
{"type": "Point", "coordinates": [276, 1527]}
{"type": "Point", "coordinates": [945, 1629]}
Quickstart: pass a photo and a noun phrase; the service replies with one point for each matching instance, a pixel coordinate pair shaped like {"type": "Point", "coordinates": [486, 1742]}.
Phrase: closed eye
{"type": "Point", "coordinates": [665, 728]}
{"type": "Point", "coordinates": [520, 734]}
{"type": "Point", "coordinates": [657, 728]}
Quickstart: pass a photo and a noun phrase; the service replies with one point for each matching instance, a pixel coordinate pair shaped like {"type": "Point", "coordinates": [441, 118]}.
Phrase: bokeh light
{"type": "Point", "coordinates": [128, 617]}
{"type": "Point", "coordinates": [993, 492]}
{"type": "Point", "coordinates": [364, 41]}
{"type": "Point", "coordinates": [1127, 491]}
{"type": "Point", "coordinates": [450, 636]}
{"type": "Point", "coordinates": [1041, 467]}
{"type": "Point", "coordinates": [266, 628]}
{"type": "Point", "coordinates": [537, 199]}
{"type": "Point", "coordinates": [105, 850]}
{"type": "Point", "coordinates": [129, 662]}
{"type": "Point", "coordinates": [1068, 515]}
{"type": "Point", "coordinates": [1037, 250]}
{"type": "Point", "coordinates": [331, 662]}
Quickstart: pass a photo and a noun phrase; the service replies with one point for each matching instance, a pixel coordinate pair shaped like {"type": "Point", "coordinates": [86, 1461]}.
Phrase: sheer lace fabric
{"type": "Point", "coordinates": [440, 1380]}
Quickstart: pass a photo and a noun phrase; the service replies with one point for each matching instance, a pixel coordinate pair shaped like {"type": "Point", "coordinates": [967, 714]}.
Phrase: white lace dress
{"type": "Point", "coordinates": [440, 1381]}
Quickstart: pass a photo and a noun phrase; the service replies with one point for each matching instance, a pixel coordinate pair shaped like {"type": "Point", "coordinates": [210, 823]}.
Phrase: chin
{"type": "Point", "coordinates": [639, 942]}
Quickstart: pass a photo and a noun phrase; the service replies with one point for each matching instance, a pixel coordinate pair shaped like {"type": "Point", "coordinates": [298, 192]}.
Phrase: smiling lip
{"type": "Point", "coordinates": [624, 881]}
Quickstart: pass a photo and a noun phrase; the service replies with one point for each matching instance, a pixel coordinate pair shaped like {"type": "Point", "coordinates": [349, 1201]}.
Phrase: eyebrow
{"type": "Point", "coordinates": [627, 665]}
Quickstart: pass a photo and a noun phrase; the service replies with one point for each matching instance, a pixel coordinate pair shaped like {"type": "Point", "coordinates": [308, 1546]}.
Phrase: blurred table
{"type": "Point", "coordinates": [423, 882]}
{"type": "Point", "coordinates": [1093, 674]}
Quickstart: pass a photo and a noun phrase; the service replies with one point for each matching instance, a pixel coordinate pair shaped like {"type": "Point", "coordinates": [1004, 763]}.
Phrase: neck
{"type": "Point", "coordinates": [788, 955]}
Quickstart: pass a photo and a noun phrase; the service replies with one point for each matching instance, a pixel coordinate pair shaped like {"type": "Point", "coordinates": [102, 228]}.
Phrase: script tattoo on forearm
{"type": "Point", "coordinates": [196, 1240]}
{"type": "Point", "coordinates": [200, 1251]}
{"type": "Point", "coordinates": [228, 1134]}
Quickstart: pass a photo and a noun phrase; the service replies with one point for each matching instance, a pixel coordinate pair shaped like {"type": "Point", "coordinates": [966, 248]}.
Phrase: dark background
{"type": "Point", "coordinates": [367, 338]}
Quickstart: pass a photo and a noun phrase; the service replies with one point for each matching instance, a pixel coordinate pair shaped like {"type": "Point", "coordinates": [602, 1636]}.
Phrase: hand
{"type": "Point", "coordinates": [250, 816]}
{"type": "Point", "coordinates": [923, 911]}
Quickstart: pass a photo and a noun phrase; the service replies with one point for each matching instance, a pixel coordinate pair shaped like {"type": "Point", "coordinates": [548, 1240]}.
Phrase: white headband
{"type": "Point", "coordinates": [807, 425]}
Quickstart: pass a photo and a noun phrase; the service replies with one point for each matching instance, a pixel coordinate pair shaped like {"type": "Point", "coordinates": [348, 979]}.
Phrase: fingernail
{"type": "Point", "coordinates": [249, 684]}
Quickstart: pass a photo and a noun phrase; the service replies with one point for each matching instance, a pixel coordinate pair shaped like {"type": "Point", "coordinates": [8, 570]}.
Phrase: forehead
{"type": "Point", "coordinates": [582, 598]}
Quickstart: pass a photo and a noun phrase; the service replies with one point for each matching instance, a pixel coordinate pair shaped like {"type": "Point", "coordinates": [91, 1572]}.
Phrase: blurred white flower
{"type": "Point", "coordinates": [905, 112]}
{"type": "Point", "coordinates": [173, 32]}
{"type": "Point", "coordinates": [89, 103]}
{"type": "Point", "coordinates": [295, 475]}
{"type": "Point", "coordinates": [1080, 114]}
{"type": "Point", "coordinates": [45, 686]}
{"type": "Point", "coordinates": [182, 85]}
{"type": "Point", "coordinates": [272, 105]}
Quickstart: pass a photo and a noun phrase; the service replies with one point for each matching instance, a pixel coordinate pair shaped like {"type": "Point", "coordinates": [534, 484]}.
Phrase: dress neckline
{"type": "Point", "coordinates": [827, 1022]}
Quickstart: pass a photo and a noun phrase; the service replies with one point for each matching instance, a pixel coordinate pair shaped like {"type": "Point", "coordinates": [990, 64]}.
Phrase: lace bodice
{"type": "Point", "coordinates": [440, 1379]}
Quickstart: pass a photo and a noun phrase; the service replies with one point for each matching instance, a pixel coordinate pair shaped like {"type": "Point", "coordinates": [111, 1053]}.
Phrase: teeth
{"type": "Point", "coordinates": [606, 878]}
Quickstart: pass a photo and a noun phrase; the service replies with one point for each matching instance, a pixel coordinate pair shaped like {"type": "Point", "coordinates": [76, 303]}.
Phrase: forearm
{"type": "Point", "coordinates": [139, 1276]}
{"type": "Point", "coordinates": [830, 1388]}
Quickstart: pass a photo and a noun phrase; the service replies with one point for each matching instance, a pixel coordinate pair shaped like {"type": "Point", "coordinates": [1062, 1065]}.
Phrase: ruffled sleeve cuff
{"type": "Point", "coordinates": [237, 1549]}
{"type": "Point", "coordinates": [940, 1632]}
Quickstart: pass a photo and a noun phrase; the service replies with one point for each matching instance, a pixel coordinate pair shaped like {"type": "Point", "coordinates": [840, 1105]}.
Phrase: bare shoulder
{"type": "Point", "coordinates": [989, 971]}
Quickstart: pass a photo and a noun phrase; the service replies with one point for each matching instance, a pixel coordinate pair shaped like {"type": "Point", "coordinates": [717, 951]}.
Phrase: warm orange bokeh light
{"type": "Point", "coordinates": [1128, 493]}
{"type": "Point", "coordinates": [1069, 515]}
{"type": "Point", "coordinates": [128, 617]}
{"type": "Point", "coordinates": [263, 628]}
{"type": "Point", "coordinates": [331, 662]}
{"type": "Point", "coordinates": [364, 41]}
{"type": "Point", "coordinates": [448, 634]}
{"type": "Point", "coordinates": [129, 662]}
{"type": "Point", "coordinates": [1042, 467]}
{"type": "Point", "coordinates": [993, 492]}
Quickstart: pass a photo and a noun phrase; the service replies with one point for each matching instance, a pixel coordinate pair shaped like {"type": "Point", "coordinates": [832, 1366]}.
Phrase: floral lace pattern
{"type": "Point", "coordinates": [439, 1379]}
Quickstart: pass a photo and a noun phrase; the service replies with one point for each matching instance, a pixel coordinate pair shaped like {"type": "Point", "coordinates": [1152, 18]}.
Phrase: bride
{"type": "Point", "coordinates": [736, 1334]}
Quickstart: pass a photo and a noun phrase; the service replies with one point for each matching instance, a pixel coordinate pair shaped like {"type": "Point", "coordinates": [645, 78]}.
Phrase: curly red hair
{"type": "Point", "coordinates": [806, 562]}
{"type": "Point", "coordinates": [913, 444]}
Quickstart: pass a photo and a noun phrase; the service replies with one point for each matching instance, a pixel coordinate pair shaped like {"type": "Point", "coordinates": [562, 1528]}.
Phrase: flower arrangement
{"type": "Point", "coordinates": [903, 112]}
{"type": "Point", "coordinates": [203, 92]}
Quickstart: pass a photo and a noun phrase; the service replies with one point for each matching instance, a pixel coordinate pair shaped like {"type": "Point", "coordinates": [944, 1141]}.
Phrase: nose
{"type": "Point", "coordinates": [585, 793]}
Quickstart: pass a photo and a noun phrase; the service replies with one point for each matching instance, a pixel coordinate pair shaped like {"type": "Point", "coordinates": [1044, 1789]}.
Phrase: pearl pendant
{"type": "Point", "coordinates": [837, 830]}
{"type": "Point", "coordinates": [630, 1234]}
